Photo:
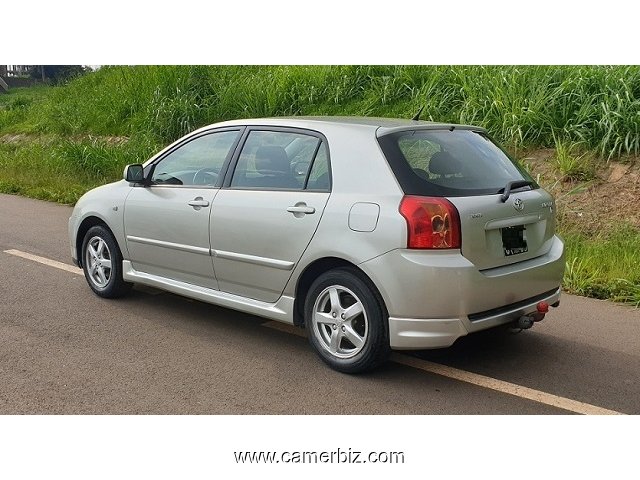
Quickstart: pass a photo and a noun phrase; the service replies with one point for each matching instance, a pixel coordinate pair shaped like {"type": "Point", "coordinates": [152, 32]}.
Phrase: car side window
{"type": "Point", "coordinates": [319, 178]}
{"type": "Point", "coordinates": [197, 162]}
{"type": "Point", "coordinates": [275, 160]}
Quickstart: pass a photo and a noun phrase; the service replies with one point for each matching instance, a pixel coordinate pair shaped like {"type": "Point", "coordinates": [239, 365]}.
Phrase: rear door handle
{"type": "Point", "coordinates": [199, 202]}
{"type": "Point", "coordinates": [300, 209]}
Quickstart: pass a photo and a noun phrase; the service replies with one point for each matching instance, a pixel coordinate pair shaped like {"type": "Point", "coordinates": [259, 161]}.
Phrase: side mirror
{"type": "Point", "coordinates": [134, 173]}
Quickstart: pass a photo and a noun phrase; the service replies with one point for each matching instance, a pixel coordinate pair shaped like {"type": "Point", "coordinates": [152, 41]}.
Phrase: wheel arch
{"type": "Point", "coordinates": [317, 268]}
{"type": "Point", "coordinates": [87, 223]}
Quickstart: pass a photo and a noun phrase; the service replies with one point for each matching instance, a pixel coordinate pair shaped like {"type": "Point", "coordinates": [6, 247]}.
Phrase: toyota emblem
{"type": "Point", "coordinates": [518, 204]}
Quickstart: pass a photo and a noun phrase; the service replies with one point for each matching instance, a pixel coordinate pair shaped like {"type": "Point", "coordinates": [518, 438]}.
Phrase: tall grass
{"type": "Point", "coordinates": [571, 164]}
{"type": "Point", "coordinates": [62, 169]}
{"type": "Point", "coordinates": [596, 106]}
{"type": "Point", "coordinates": [16, 108]}
{"type": "Point", "coordinates": [606, 266]}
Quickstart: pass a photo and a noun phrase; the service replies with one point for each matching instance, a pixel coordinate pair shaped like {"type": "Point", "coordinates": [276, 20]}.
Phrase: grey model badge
{"type": "Point", "coordinates": [518, 204]}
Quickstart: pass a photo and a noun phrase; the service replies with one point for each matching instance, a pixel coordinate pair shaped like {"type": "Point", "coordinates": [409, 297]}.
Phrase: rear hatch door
{"type": "Point", "coordinates": [497, 233]}
{"type": "Point", "coordinates": [499, 226]}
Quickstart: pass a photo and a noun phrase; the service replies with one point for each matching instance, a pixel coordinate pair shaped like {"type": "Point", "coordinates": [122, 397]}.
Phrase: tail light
{"type": "Point", "coordinates": [432, 222]}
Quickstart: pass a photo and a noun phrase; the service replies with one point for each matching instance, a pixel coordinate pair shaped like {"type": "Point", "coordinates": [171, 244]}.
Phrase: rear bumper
{"type": "Point", "coordinates": [417, 333]}
{"type": "Point", "coordinates": [434, 297]}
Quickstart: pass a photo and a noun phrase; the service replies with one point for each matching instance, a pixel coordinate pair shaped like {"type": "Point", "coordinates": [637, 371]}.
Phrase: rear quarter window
{"type": "Point", "coordinates": [449, 162]}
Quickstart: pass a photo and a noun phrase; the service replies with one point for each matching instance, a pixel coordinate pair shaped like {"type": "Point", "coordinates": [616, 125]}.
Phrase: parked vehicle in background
{"type": "Point", "coordinates": [374, 234]}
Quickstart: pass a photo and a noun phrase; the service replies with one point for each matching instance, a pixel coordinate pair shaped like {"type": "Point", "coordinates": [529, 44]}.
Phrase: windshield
{"type": "Point", "coordinates": [449, 163]}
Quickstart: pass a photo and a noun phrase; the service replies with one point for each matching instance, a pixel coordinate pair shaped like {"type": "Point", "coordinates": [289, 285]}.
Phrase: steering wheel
{"type": "Point", "coordinates": [205, 176]}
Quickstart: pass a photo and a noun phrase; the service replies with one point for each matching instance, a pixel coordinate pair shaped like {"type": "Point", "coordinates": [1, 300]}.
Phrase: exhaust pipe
{"type": "Point", "coordinates": [524, 322]}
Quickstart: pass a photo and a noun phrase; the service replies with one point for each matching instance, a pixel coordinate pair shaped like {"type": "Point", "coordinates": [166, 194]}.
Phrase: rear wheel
{"type": "Point", "coordinates": [346, 321]}
{"type": "Point", "coordinates": [102, 263]}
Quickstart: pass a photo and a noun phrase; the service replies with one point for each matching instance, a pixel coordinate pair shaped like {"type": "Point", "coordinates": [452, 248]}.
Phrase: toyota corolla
{"type": "Point", "coordinates": [373, 234]}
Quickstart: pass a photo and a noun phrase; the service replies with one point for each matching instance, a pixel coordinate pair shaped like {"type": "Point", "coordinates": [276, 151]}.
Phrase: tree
{"type": "Point", "coordinates": [57, 73]}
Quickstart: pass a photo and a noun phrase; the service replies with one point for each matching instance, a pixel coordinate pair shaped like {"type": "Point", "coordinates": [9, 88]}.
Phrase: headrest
{"type": "Point", "coordinates": [442, 163]}
{"type": "Point", "coordinates": [272, 158]}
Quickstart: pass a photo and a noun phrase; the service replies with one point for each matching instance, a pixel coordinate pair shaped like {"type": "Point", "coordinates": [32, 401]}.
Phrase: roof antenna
{"type": "Point", "coordinates": [417, 115]}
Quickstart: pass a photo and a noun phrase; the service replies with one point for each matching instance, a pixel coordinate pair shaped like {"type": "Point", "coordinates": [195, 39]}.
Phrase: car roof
{"type": "Point", "coordinates": [382, 126]}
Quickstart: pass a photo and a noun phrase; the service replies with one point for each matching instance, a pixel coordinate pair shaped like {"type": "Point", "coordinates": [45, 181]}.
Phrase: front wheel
{"type": "Point", "coordinates": [102, 263]}
{"type": "Point", "coordinates": [346, 322]}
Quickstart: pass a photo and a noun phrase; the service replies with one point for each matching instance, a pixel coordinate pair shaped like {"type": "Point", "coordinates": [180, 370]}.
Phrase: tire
{"type": "Point", "coordinates": [346, 321]}
{"type": "Point", "coordinates": [102, 263]}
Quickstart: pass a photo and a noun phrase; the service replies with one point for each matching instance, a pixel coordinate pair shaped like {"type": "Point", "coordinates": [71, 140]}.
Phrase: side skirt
{"type": "Point", "coordinates": [281, 311]}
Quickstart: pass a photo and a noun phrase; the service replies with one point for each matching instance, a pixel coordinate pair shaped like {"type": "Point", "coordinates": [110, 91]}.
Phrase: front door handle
{"type": "Point", "coordinates": [199, 202]}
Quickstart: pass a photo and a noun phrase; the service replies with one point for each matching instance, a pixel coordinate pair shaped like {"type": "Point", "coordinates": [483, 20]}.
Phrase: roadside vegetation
{"type": "Point", "coordinates": [58, 142]}
{"type": "Point", "coordinates": [604, 266]}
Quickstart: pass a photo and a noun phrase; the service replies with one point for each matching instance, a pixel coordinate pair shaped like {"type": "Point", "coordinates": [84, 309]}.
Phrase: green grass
{"type": "Point", "coordinates": [521, 106]}
{"type": "Point", "coordinates": [17, 108]}
{"type": "Point", "coordinates": [573, 164]}
{"type": "Point", "coordinates": [589, 114]}
{"type": "Point", "coordinates": [62, 169]}
{"type": "Point", "coordinates": [605, 266]}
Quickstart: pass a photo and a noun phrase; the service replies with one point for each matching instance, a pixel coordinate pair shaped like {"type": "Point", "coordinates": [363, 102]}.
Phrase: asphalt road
{"type": "Point", "coordinates": [64, 350]}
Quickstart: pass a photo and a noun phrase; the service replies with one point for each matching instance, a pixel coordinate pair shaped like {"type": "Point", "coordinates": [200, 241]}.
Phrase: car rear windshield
{"type": "Point", "coordinates": [449, 162]}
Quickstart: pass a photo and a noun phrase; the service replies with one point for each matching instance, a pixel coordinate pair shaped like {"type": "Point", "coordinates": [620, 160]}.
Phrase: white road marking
{"type": "Point", "coordinates": [46, 261]}
{"type": "Point", "coordinates": [425, 365]}
{"type": "Point", "coordinates": [478, 380]}
{"type": "Point", "coordinates": [502, 386]}
{"type": "Point", "coordinates": [70, 268]}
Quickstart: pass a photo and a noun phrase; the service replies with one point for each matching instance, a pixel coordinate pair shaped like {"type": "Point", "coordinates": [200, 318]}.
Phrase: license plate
{"type": "Point", "coordinates": [514, 240]}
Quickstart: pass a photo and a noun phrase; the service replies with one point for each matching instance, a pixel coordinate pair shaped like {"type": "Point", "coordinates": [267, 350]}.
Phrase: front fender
{"type": "Point", "coordinates": [106, 204]}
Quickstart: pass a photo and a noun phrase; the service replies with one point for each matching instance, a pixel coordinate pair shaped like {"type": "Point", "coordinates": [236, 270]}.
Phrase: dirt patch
{"type": "Point", "coordinates": [617, 172]}
{"type": "Point", "coordinates": [21, 138]}
{"type": "Point", "coordinates": [594, 206]}
{"type": "Point", "coordinates": [14, 138]}
{"type": "Point", "coordinates": [108, 140]}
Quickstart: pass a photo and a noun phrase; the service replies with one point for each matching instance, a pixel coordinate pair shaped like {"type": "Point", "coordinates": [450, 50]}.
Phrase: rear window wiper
{"type": "Point", "coordinates": [511, 186]}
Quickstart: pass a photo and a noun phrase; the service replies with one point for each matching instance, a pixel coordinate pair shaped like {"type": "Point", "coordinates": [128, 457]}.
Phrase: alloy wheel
{"type": "Point", "coordinates": [98, 261]}
{"type": "Point", "coordinates": [340, 322]}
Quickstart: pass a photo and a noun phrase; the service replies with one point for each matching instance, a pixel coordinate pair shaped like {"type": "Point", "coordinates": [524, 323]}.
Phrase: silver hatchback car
{"type": "Point", "coordinates": [374, 234]}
